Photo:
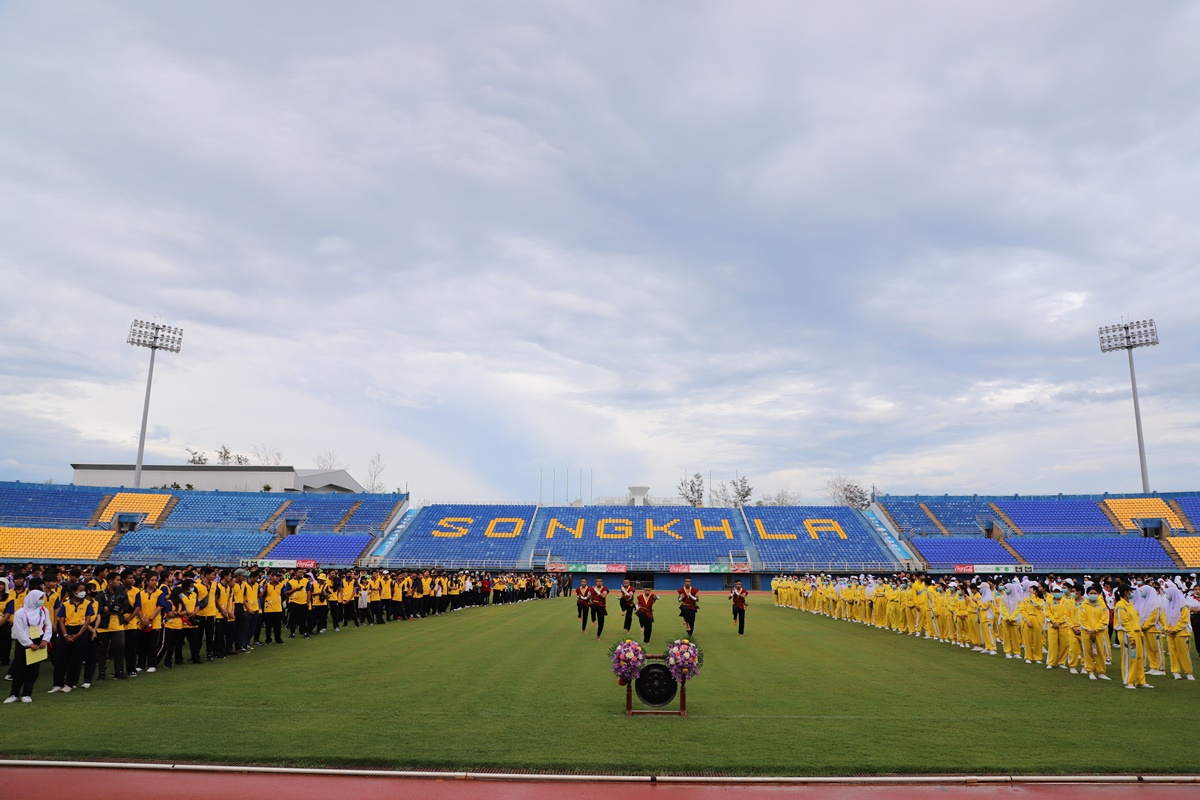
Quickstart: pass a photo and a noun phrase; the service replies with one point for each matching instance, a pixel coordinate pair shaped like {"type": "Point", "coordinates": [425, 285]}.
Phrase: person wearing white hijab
{"type": "Point", "coordinates": [31, 631]}
{"type": "Point", "coordinates": [1150, 608]}
{"type": "Point", "coordinates": [1178, 624]}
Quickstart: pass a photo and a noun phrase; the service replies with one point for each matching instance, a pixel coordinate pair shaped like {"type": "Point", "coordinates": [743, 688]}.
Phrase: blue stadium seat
{"type": "Point", "coordinates": [48, 505]}
{"type": "Point", "coordinates": [946, 552]}
{"type": "Point", "coordinates": [1092, 552]}
{"type": "Point", "coordinates": [240, 509]}
{"type": "Point", "coordinates": [646, 536]}
{"type": "Point", "coordinates": [815, 537]}
{"type": "Point", "coordinates": [189, 546]}
{"type": "Point", "coordinates": [327, 549]}
{"type": "Point", "coordinates": [1057, 516]}
{"type": "Point", "coordinates": [476, 535]}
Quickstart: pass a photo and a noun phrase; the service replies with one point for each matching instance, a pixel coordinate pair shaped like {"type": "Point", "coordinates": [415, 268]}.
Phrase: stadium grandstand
{"type": "Point", "coordinates": [86, 524]}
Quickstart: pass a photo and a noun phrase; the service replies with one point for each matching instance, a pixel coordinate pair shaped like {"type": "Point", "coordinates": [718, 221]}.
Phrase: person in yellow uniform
{"type": "Point", "coordinates": [1150, 609]}
{"type": "Point", "coordinates": [1178, 628]}
{"type": "Point", "coordinates": [297, 594]}
{"type": "Point", "coordinates": [1058, 628]}
{"type": "Point", "coordinates": [75, 614]}
{"type": "Point", "coordinates": [206, 614]}
{"type": "Point", "coordinates": [150, 604]}
{"type": "Point", "coordinates": [320, 603]}
{"type": "Point", "coordinates": [1093, 632]}
{"type": "Point", "coordinates": [115, 611]}
{"type": "Point", "coordinates": [1133, 669]}
{"type": "Point", "coordinates": [272, 609]}
{"type": "Point", "coordinates": [1031, 614]}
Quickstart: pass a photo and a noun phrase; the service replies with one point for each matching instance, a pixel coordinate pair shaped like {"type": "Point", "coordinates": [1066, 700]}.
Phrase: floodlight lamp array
{"type": "Point", "coordinates": [1128, 335]}
{"type": "Point", "coordinates": [155, 336]}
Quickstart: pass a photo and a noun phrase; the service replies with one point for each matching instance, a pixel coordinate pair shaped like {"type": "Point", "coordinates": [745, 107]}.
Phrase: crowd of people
{"type": "Point", "coordinates": [1063, 622]}
{"type": "Point", "coordinates": [79, 621]}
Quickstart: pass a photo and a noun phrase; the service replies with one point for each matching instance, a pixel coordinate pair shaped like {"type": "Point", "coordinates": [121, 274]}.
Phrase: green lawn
{"type": "Point", "coordinates": [520, 688]}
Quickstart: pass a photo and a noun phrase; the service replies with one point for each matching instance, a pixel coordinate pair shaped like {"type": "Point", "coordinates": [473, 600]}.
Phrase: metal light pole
{"type": "Point", "coordinates": [1127, 336]}
{"type": "Point", "coordinates": [156, 337]}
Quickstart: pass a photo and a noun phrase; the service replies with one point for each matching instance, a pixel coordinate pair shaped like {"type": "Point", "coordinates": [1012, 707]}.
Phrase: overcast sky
{"type": "Point", "coordinates": [485, 240]}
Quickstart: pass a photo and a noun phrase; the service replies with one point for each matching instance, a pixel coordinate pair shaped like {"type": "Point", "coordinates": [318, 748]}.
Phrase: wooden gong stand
{"type": "Point", "coordinates": [629, 710]}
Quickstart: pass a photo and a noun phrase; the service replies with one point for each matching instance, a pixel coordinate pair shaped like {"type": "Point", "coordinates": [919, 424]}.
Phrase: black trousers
{"type": "Point", "coordinates": [111, 644]}
{"type": "Point", "coordinates": [273, 626]}
{"type": "Point", "coordinates": [297, 618]}
{"type": "Point", "coordinates": [172, 647]}
{"type": "Point", "coordinates": [599, 614]}
{"type": "Point", "coordinates": [1196, 631]}
{"type": "Point", "coordinates": [335, 611]}
{"type": "Point", "coordinates": [647, 623]}
{"type": "Point", "coordinates": [320, 615]}
{"type": "Point", "coordinates": [24, 676]}
{"type": "Point", "coordinates": [208, 632]}
{"type": "Point", "coordinates": [70, 657]}
{"type": "Point", "coordinates": [689, 618]}
{"type": "Point", "coordinates": [133, 638]}
{"type": "Point", "coordinates": [740, 615]}
{"type": "Point", "coordinates": [627, 607]}
{"type": "Point", "coordinates": [247, 626]}
{"type": "Point", "coordinates": [583, 616]}
{"type": "Point", "coordinates": [150, 648]}
{"type": "Point", "coordinates": [5, 643]}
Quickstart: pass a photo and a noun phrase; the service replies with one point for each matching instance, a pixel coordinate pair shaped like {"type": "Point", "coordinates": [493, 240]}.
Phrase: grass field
{"type": "Point", "coordinates": [519, 688]}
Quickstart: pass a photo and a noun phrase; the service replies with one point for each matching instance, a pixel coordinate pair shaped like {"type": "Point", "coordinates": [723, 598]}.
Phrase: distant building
{"type": "Point", "coordinates": [219, 478]}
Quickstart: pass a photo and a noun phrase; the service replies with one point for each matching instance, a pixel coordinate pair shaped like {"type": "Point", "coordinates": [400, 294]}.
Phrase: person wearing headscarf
{"type": "Point", "coordinates": [31, 633]}
{"type": "Point", "coordinates": [1129, 622]}
{"type": "Point", "coordinates": [1178, 626]}
{"type": "Point", "coordinates": [985, 600]}
{"type": "Point", "coordinates": [1031, 614]}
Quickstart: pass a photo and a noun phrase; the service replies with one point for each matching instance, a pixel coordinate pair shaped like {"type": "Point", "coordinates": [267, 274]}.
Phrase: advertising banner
{"type": "Point", "coordinates": [615, 568]}
{"type": "Point", "coordinates": [680, 568]}
{"type": "Point", "coordinates": [577, 568]}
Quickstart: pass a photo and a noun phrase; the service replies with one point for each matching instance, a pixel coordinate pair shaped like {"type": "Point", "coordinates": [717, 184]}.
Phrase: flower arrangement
{"type": "Point", "coordinates": [628, 657]}
{"type": "Point", "coordinates": [684, 659]}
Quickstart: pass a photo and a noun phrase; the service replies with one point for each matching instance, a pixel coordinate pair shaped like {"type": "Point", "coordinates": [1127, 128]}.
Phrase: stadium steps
{"type": "Point", "coordinates": [103, 504]}
{"type": "Point", "coordinates": [748, 540]}
{"type": "Point", "coordinates": [1188, 525]}
{"type": "Point", "coordinates": [341, 526]}
{"type": "Point", "coordinates": [1172, 552]}
{"type": "Point", "coordinates": [936, 522]}
{"type": "Point", "coordinates": [279, 537]}
{"type": "Point", "coordinates": [531, 538]}
{"type": "Point", "coordinates": [1012, 526]}
{"type": "Point", "coordinates": [112, 545]}
{"type": "Point", "coordinates": [1108, 512]}
{"type": "Point", "coordinates": [394, 515]}
{"type": "Point", "coordinates": [166, 512]}
{"type": "Point", "coordinates": [1011, 551]}
{"type": "Point", "coordinates": [889, 520]}
{"type": "Point", "coordinates": [271, 520]}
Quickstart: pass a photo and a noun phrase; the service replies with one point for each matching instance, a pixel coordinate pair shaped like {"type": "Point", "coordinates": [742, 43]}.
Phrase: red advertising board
{"type": "Point", "coordinates": [739, 567]}
{"type": "Point", "coordinates": [681, 568]}
{"type": "Point", "coordinates": [964, 568]}
{"type": "Point", "coordinates": [306, 564]}
{"type": "Point", "coordinates": [615, 568]}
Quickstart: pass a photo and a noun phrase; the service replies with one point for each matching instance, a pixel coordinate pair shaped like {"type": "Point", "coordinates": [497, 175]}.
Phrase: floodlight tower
{"type": "Point", "coordinates": [156, 337]}
{"type": "Point", "coordinates": [1127, 336]}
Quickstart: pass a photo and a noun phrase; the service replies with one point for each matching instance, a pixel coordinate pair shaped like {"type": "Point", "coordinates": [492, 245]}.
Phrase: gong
{"type": "Point", "coordinates": [655, 687]}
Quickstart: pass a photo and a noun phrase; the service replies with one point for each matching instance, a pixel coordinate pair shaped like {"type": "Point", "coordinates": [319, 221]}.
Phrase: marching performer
{"type": "Point", "coordinates": [645, 612]}
{"type": "Point", "coordinates": [689, 604]}
{"type": "Point", "coordinates": [599, 605]}
{"type": "Point", "coordinates": [583, 603]}
{"type": "Point", "coordinates": [738, 596]}
{"type": "Point", "coordinates": [628, 603]}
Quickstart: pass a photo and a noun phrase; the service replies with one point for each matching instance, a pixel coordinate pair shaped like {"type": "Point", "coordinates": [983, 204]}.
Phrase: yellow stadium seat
{"type": "Point", "coordinates": [1188, 548]}
{"type": "Point", "coordinates": [56, 543]}
{"type": "Point", "coordinates": [151, 505]}
{"type": "Point", "coordinates": [1128, 509]}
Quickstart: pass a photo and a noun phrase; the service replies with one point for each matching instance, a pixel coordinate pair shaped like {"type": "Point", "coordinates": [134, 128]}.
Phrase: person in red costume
{"type": "Point", "coordinates": [689, 604]}
{"type": "Point", "coordinates": [738, 596]}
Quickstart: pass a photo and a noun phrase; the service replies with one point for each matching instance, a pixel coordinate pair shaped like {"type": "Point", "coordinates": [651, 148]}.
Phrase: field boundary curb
{"type": "Point", "coordinates": [882, 780]}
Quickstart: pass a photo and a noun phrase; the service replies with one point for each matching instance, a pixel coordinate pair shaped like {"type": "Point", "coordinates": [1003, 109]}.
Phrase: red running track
{"type": "Point", "coordinates": [18, 783]}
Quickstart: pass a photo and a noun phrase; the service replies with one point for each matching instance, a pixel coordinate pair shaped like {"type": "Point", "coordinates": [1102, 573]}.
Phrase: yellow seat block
{"type": "Point", "coordinates": [56, 543]}
{"type": "Point", "coordinates": [1128, 509]}
{"type": "Point", "coordinates": [1188, 548]}
{"type": "Point", "coordinates": [151, 505]}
